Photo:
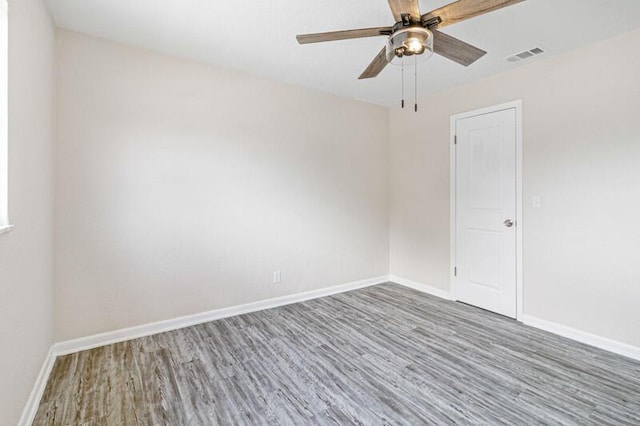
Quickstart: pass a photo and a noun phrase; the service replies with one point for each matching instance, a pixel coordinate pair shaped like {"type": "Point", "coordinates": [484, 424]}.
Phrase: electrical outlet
{"type": "Point", "coordinates": [276, 277]}
{"type": "Point", "coordinates": [536, 201]}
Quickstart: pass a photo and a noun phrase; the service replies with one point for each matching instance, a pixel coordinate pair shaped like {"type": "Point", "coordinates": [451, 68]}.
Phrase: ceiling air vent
{"type": "Point", "coordinates": [525, 55]}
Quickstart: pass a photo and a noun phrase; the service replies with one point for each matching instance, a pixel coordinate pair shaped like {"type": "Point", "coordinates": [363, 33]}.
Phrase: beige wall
{"type": "Point", "coordinates": [182, 187]}
{"type": "Point", "coordinates": [26, 311]}
{"type": "Point", "coordinates": [581, 154]}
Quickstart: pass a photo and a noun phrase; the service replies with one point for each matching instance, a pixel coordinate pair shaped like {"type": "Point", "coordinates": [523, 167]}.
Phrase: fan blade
{"type": "Point", "coordinates": [398, 7]}
{"type": "Point", "coordinates": [343, 35]}
{"type": "Point", "coordinates": [456, 50]}
{"type": "Point", "coordinates": [377, 65]}
{"type": "Point", "coordinates": [464, 9]}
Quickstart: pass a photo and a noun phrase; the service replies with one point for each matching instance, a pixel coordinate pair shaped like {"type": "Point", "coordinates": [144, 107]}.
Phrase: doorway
{"type": "Point", "coordinates": [486, 208]}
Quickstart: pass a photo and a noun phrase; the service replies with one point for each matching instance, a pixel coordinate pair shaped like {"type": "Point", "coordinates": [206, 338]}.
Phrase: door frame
{"type": "Point", "coordinates": [517, 106]}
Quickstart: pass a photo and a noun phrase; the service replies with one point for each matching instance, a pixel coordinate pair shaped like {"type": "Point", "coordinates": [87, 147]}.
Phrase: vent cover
{"type": "Point", "coordinates": [525, 55]}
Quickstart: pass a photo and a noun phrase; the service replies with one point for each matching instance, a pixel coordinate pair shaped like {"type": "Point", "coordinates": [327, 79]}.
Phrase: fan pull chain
{"type": "Point", "coordinates": [415, 83]}
{"type": "Point", "coordinates": [402, 102]}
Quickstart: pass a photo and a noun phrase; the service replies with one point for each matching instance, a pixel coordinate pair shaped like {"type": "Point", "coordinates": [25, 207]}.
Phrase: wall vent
{"type": "Point", "coordinates": [525, 55]}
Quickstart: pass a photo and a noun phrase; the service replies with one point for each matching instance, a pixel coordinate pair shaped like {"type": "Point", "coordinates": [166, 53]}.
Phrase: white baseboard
{"type": "Point", "coordinates": [94, 341]}
{"type": "Point", "coordinates": [30, 409]}
{"type": "Point", "coordinates": [583, 337]}
{"type": "Point", "coordinates": [552, 327]}
{"type": "Point", "coordinates": [438, 292]}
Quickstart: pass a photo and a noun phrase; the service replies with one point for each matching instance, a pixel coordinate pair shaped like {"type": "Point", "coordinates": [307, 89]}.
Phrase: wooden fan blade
{"type": "Point", "coordinates": [343, 35]}
{"type": "Point", "coordinates": [455, 49]}
{"type": "Point", "coordinates": [377, 65]}
{"type": "Point", "coordinates": [398, 7]}
{"type": "Point", "coordinates": [464, 9]}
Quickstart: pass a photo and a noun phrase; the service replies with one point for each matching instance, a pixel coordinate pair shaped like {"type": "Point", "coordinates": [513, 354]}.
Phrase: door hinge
{"type": "Point", "coordinates": [455, 139]}
{"type": "Point", "coordinates": [455, 271]}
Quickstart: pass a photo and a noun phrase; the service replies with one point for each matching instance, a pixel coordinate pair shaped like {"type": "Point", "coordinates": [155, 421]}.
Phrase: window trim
{"type": "Point", "coordinates": [5, 224]}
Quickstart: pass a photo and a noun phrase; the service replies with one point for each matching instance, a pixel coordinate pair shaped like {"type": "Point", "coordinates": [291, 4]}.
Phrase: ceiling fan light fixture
{"type": "Point", "coordinates": [410, 41]}
{"type": "Point", "coordinates": [415, 46]}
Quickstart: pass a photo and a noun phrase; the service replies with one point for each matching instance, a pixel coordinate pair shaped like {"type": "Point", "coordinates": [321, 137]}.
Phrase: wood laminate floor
{"type": "Point", "coordinates": [380, 355]}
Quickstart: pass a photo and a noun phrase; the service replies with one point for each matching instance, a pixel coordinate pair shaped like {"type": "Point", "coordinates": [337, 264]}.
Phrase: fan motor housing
{"type": "Point", "coordinates": [409, 41]}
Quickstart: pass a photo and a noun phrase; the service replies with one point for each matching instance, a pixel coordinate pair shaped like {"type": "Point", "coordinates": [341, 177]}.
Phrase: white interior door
{"type": "Point", "coordinates": [485, 211]}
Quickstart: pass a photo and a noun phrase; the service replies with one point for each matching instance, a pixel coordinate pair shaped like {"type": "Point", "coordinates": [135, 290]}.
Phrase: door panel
{"type": "Point", "coordinates": [483, 257]}
{"type": "Point", "coordinates": [485, 198]}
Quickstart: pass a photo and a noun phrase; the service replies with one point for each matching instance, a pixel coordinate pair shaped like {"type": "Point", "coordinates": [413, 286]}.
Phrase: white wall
{"type": "Point", "coordinates": [180, 188]}
{"type": "Point", "coordinates": [26, 311]}
{"type": "Point", "coordinates": [581, 154]}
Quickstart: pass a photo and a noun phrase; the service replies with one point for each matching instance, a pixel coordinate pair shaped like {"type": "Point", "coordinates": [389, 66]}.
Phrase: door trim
{"type": "Point", "coordinates": [517, 106]}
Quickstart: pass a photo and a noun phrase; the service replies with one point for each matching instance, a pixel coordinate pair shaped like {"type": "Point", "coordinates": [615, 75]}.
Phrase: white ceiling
{"type": "Point", "coordinates": [258, 36]}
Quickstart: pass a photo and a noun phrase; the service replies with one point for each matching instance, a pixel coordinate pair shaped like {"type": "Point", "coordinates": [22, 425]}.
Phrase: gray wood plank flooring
{"type": "Point", "coordinates": [379, 355]}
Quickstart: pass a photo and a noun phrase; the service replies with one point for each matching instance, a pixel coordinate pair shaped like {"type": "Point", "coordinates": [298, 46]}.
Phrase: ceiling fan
{"type": "Point", "coordinates": [416, 34]}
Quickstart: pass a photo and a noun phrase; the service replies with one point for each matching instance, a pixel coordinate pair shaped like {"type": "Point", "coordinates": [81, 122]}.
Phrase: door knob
{"type": "Point", "coordinates": [508, 223]}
